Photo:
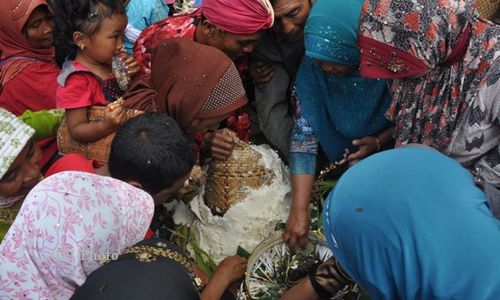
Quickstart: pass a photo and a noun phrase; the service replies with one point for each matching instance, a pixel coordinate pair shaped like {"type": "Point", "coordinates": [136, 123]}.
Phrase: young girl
{"type": "Point", "coordinates": [88, 34]}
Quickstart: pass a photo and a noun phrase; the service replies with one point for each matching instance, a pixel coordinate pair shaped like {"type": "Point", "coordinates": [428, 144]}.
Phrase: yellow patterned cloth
{"type": "Point", "coordinates": [487, 8]}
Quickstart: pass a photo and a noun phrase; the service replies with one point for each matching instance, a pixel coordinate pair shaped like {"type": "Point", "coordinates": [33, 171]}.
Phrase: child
{"type": "Point", "coordinates": [88, 34]}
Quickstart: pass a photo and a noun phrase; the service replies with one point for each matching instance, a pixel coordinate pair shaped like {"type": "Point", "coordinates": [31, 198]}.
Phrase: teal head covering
{"type": "Point", "coordinates": [339, 109]}
{"type": "Point", "coordinates": [330, 33]}
{"type": "Point", "coordinates": [410, 223]}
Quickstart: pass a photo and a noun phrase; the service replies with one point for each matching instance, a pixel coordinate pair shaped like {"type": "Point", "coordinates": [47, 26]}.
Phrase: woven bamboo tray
{"type": "Point", "coordinates": [229, 181]}
{"type": "Point", "coordinates": [271, 261]}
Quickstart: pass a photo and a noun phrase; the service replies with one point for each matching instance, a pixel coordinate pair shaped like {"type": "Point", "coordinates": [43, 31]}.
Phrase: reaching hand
{"type": "Point", "coordinates": [219, 144]}
{"type": "Point", "coordinates": [261, 71]}
{"type": "Point", "coordinates": [297, 227]}
{"type": "Point", "coordinates": [132, 66]}
{"type": "Point", "coordinates": [366, 146]}
{"type": "Point", "coordinates": [114, 117]}
{"type": "Point", "coordinates": [231, 269]}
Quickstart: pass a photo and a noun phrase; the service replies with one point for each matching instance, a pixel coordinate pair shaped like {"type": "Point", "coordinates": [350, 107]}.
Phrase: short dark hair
{"type": "Point", "coordinates": [152, 150]}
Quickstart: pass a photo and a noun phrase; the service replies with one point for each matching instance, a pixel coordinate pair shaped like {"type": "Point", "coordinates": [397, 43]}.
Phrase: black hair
{"type": "Point", "coordinates": [152, 150]}
{"type": "Point", "coordinates": [85, 16]}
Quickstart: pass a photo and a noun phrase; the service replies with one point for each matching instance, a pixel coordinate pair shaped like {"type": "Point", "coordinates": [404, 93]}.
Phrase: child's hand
{"type": "Point", "coordinates": [114, 117]}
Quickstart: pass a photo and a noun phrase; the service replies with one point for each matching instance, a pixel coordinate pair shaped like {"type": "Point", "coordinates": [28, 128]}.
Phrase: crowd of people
{"type": "Point", "coordinates": [322, 82]}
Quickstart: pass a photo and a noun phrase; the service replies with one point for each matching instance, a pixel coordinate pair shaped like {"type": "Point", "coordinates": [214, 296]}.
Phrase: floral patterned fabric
{"type": "Point", "coordinates": [176, 26]}
{"type": "Point", "coordinates": [459, 50]}
{"type": "Point", "coordinates": [68, 224]}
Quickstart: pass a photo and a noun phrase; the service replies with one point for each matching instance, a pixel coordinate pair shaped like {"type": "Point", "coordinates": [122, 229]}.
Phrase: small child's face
{"type": "Point", "coordinates": [108, 40]}
{"type": "Point", "coordinates": [23, 174]}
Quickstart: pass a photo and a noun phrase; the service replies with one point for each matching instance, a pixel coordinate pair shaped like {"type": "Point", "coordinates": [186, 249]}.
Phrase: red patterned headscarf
{"type": "Point", "coordinates": [13, 15]}
{"type": "Point", "coordinates": [402, 39]}
{"type": "Point", "coordinates": [243, 17]}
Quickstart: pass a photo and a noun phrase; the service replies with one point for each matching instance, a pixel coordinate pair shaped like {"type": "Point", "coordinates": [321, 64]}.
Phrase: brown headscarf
{"type": "Point", "coordinates": [13, 15]}
{"type": "Point", "coordinates": [188, 80]}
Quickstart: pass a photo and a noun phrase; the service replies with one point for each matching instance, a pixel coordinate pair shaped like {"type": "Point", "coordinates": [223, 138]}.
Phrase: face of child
{"type": "Point", "coordinates": [38, 29]}
{"type": "Point", "coordinates": [24, 173]}
{"type": "Point", "coordinates": [108, 40]}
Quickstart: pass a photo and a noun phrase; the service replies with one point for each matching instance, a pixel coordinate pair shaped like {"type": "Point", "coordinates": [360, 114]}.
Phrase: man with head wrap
{"type": "Point", "coordinates": [232, 26]}
{"type": "Point", "coordinates": [273, 66]}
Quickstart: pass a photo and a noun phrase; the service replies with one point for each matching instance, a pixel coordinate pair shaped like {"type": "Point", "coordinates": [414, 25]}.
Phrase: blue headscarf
{"type": "Point", "coordinates": [410, 223]}
{"type": "Point", "coordinates": [339, 109]}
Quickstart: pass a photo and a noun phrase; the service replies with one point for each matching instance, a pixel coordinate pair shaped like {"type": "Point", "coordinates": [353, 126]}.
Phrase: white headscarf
{"type": "Point", "coordinates": [14, 135]}
{"type": "Point", "coordinates": [67, 225]}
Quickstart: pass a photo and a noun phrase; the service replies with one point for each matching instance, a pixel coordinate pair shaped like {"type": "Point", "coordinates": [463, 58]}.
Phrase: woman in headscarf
{"type": "Point", "coordinates": [69, 224]}
{"type": "Point", "coordinates": [410, 223]}
{"type": "Point", "coordinates": [337, 108]}
{"type": "Point", "coordinates": [196, 85]}
{"type": "Point", "coordinates": [27, 68]}
{"type": "Point", "coordinates": [157, 269]}
{"type": "Point", "coordinates": [19, 169]}
{"type": "Point", "coordinates": [445, 62]}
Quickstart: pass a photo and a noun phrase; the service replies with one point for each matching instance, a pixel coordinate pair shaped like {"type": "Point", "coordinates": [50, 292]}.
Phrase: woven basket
{"type": "Point", "coordinates": [98, 150]}
{"type": "Point", "coordinates": [487, 8]}
{"type": "Point", "coordinates": [229, 181]}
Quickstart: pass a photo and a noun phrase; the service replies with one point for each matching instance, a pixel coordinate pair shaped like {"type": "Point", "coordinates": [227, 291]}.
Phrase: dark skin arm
{"type": "Point", "coordinates": [370, 144]}
{"type": "Point", "coordinates": [229, 270]}
{"type": "Point", "coordinates": [297, 225]}
{"type": "Point", "coordinates": [219, 144]}
{"type": "Point", "coordinates": [83, 131]}
{"type": "Point", "coordinates": [302, 291]}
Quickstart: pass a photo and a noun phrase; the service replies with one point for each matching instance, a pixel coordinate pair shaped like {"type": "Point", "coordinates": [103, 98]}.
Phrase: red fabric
{"type": "Point", "coordinates": [72, 162]}
{"type": "Point", "coordinates": [243, 17]}
{"type": "Point", "coordinates": [176, 26]}
{"type": "Point", "coordinates": [379, 60]}
{"type": "Point", "coordinates": [149, 234]}
{"type": "Point", "coordinates": [82, 89]}
{"type": "Point", "coordinates": [35, 89]}
{"type": "Point", "coordinates": [13, 16]}
{"type": "Point", "coordinates": [460, 47]}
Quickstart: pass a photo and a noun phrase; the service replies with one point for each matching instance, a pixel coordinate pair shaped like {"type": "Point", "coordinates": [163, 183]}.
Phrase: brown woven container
{"type": "Point", "coordinates": [229, 181]}
{"type": "Point", "coordinates": [487, 8]}
{"type": "Point", "coordinates": [98, 150]}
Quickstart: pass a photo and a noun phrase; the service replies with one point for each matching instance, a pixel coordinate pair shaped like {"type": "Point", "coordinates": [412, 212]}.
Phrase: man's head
{"type": "Point", "coordinates": [234, 26]}
{"type": "Point", "coordinates": [290, 18]}
{"type": "Point", "coordinates": [151, 152]}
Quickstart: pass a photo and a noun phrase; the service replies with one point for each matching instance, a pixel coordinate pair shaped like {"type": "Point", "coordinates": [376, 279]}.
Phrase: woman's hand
{"type": "Point", "coordinates": [297, 227]}
{"type": "Point", "coordinates": [219, 144]}
{"type": "Point", "coordinates": [230, 269]}
{"type": "Point", "coordinates": [261, 71]}
{"type": "Point", "coordinates": [132, 66]}
{"type": "Point", "coordinates": [366, 146]}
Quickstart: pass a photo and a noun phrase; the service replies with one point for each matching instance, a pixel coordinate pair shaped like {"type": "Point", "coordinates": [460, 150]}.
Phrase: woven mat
{"type": "Point", "coordinates": [487, 8]}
